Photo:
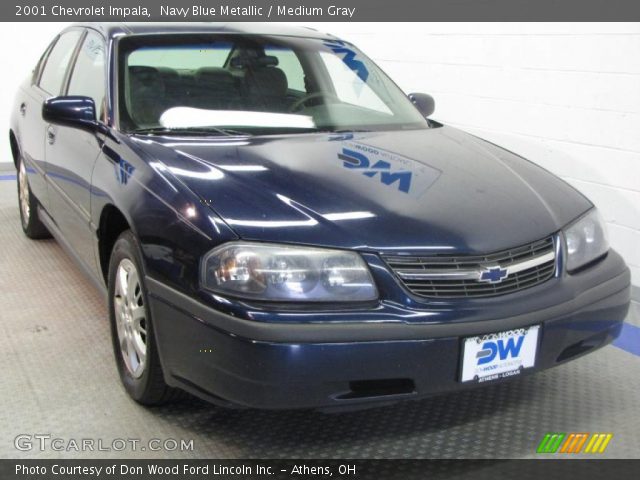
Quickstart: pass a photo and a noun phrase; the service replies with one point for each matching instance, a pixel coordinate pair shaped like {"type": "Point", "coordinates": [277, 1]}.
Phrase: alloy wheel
{"type": "Point", "coordinates": [131, 321]}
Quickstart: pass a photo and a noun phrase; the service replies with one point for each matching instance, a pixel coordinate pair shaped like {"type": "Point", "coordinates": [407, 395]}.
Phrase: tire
{"type": "Point", "coordinates": [28, 206]}
{"type": "Point", "coordinates": [132, 334]}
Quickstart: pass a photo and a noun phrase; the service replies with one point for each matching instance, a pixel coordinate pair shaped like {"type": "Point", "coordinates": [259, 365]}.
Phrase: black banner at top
{"type": "Point", "coordinates": [319, 10]}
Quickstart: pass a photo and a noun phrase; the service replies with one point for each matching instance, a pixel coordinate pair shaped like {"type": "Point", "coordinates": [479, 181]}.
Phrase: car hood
{"type": "Point", "coordinates": [438, 190]}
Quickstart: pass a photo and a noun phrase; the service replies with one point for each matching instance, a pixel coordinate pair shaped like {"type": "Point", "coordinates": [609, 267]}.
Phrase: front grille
{"type": "Point", "coordinates": [479, 275]}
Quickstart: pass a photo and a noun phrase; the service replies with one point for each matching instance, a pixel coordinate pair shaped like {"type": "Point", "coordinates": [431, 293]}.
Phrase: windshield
{"type": "Point", "coordinates": [255, 84]}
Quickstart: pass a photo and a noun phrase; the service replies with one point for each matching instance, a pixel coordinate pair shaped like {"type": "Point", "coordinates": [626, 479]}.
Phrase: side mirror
{"type": "Point", "coordinates": [72, 111]}
{"type": "Point", "coordinates": [425, 104]}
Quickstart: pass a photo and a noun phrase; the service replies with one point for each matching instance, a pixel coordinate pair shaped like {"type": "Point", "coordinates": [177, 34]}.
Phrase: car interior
{"type": "Point", "coordinates": [246, 83]}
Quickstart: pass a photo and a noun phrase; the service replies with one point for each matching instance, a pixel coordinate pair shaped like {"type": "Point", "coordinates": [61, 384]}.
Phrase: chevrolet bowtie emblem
{"type": "Point", "coordinates": [493, 275]}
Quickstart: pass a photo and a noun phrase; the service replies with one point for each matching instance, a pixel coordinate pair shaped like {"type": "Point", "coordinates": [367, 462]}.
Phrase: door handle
{"type": "Point", "coordinates": [23, 109]}
{"type": "Point", "coordinates": [51, 135]}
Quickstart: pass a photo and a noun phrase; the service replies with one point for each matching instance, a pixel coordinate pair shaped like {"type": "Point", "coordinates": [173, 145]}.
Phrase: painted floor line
{"type": "Point", "coordinates": [629, 339]}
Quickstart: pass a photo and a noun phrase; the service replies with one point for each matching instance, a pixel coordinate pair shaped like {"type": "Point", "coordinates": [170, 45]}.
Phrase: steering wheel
{"type": "Point", "coordinates": [302, 101]}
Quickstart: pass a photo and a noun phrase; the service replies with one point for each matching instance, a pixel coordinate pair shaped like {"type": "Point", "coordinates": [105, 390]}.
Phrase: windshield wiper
{"type": "Point", "coordinates": [190, 130]}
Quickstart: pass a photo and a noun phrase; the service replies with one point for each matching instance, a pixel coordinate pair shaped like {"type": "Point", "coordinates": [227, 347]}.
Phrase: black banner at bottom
{"type": "Point", "coordinates": [318, 469]}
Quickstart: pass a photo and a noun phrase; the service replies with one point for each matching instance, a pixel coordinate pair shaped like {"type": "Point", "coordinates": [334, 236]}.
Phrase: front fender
{"type": "Point", "coordinates": [173, 226]}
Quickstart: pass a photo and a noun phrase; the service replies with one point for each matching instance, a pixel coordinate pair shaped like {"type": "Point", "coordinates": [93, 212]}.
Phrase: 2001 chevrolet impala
{"type": "Point", "coordinates": [277, 225]}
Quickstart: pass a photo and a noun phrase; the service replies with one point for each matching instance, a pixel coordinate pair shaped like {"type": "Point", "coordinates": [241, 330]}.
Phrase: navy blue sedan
{"type": "Point", "coordinates": [275, 224]}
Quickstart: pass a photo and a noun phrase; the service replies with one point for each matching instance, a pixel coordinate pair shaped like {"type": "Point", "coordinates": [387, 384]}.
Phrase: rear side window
{"type": "Point", "coordinates": [88, 77]}
{"type": "Point", "coordinates": [58, 61]}
{"type": "Point", "coordinates": [41, 62]}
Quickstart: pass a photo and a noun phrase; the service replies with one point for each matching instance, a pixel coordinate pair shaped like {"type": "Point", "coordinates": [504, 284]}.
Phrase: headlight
{"type": "Point", "coordinates": [287, 273]}
{"type": "Point", "coordinates": [586, 240]}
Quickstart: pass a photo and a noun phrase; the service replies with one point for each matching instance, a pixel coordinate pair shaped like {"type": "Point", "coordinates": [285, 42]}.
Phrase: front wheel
{"type": "Point", "coordinates": [31, 224]}
{"type": "Point", "coordinates": [132, 333]}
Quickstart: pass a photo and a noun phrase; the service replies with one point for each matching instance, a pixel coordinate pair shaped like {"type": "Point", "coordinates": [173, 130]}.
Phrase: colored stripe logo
{"type": "Point", "coordinates": [574, 442]}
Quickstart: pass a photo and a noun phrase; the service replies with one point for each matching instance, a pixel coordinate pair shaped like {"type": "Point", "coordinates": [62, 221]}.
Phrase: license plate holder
{"type": "Point", "coordinates": [499, 355]}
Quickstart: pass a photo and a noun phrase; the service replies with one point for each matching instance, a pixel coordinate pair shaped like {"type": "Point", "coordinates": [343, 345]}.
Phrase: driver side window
{"type": "Point", "coordinates": [88, 76]}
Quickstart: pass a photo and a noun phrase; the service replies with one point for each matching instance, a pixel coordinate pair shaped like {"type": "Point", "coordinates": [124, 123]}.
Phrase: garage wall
{"type": "Point", "coordinates": [566, 96]}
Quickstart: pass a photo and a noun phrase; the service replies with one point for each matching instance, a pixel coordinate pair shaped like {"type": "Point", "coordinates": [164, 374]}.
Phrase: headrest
{"type": "Point", "coordinates": [142, 70]}
{"type": "Point", "coordinates": [214, 76]}
{"type": "Point", "coordinates": [146, 80]}
{"type": "Point", "coordinates": [168, 73]}
{"type": "Point", "coordinates": [269, 81]}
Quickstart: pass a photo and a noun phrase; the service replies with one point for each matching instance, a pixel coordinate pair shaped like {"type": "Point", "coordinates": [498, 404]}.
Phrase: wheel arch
{"type": "Point", "coordinates": [112, 223]}
{"type": "Point", "coordinates": [15, 147]}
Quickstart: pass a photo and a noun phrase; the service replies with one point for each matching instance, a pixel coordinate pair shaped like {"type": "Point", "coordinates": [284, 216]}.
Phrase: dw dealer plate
{"type": "Point", "coordinates": [499, 355]}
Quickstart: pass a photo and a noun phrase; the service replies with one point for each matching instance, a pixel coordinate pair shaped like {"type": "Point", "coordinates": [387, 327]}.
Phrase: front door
{"type": "Point", "coordinates": [46, 82]}
{"type": "Point", "coordinates": [72, 153]}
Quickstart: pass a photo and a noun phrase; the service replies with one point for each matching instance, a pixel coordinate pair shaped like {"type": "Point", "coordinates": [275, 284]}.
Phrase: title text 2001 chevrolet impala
{"type": "Point", "coordinates": [277, 225]}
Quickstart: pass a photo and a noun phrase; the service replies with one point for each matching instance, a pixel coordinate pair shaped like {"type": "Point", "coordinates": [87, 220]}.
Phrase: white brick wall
{"type": "Point", "coordinates": [566, 96]}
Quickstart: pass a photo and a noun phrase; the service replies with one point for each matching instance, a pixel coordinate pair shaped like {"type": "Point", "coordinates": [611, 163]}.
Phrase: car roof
{"type": "Point", "coordinates": [111, 30]}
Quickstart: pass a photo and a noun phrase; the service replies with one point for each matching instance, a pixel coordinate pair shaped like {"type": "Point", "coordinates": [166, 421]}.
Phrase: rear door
{"type": "Point", "coordinates": [46, 82]}
{"type": "Point", "coordinates": [71, 153]}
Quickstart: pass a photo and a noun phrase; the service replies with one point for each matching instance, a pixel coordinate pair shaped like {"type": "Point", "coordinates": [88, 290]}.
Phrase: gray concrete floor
{"type": "Point", "coordinates": [59, 378]}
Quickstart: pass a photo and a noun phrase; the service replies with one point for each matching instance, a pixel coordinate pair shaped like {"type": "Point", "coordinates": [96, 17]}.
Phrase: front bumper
{"type": "Point", "coordinates": [243, 362]}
